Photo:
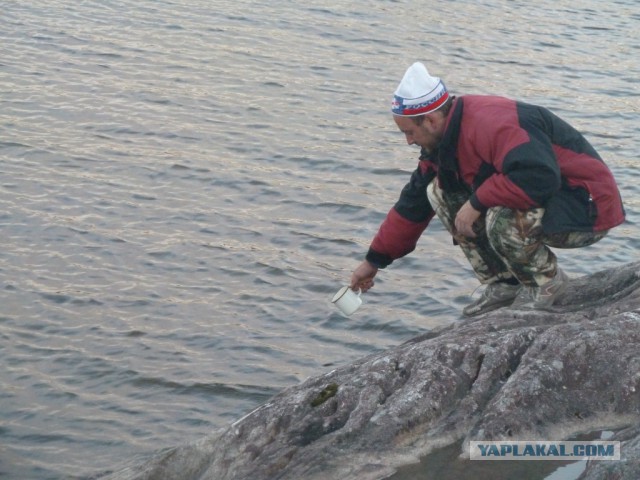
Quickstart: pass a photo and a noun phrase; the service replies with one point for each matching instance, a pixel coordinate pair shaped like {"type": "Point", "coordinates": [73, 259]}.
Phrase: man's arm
{"type": "Point", "coordinates": [401, 229]}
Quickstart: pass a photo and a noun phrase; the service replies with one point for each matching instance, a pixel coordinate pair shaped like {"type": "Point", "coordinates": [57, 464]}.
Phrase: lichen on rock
{"type": "Point", "coordinates": [328, 392]}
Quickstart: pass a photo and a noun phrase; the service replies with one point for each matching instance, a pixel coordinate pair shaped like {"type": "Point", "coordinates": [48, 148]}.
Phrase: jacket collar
{"type": "Point", "coordinates": [445, 157]}
{"type": "Point", "coordinates": [446, 154]}
{"type": "Point", "coordinates": [448, 149]}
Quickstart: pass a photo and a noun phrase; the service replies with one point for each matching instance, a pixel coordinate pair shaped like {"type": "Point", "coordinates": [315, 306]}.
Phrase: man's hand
{"type": "Point", "coordinates": [362, 277]}
{"type": "Point", "coordinates": [465, 219]}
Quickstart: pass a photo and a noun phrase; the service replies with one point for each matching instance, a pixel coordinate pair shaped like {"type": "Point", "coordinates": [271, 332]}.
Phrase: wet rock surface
{"type": "Point", "coordinates": [628, 468]}
{"type": "Point", "coordinates": [506, 375]}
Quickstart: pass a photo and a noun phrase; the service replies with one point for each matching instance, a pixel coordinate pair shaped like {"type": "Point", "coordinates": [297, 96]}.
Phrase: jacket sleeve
{"type": "Point", "coordinates": [399, 232]}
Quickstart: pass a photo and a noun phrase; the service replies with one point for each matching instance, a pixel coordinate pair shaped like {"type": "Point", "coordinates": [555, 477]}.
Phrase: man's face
{"type": "Point", "coordinates": [426, 134]}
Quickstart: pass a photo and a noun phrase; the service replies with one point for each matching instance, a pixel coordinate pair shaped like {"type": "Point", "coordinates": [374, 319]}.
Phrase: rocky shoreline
{"type": "Point", "coordinates": [506, 375]}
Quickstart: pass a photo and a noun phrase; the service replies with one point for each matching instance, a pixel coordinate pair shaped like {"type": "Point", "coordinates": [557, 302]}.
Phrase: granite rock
{"type": "Point", "coordinates": [505, 375]}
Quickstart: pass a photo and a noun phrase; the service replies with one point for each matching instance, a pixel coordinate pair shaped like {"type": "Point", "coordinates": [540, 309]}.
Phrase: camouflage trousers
{"type": "Point", "coordinates": [509, 243]}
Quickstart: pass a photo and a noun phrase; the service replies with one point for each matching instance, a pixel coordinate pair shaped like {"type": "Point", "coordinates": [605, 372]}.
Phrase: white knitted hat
{"type": "Point", "coordinates": [418, 93]}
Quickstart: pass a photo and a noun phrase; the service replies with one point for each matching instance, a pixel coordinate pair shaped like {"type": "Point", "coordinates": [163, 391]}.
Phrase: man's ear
{"type": "Point", "coordinates": [433, 121]}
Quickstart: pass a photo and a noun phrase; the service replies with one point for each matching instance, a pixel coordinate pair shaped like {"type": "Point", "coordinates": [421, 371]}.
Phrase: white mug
{"type": "Point", "coordinates": [347, 300]}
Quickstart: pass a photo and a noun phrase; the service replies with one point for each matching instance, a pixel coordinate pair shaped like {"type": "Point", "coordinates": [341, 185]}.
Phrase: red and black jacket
{"type": "Point", "coordinates": [511, 154]}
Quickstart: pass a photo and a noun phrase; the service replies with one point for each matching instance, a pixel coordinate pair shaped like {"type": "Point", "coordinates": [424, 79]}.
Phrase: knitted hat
{"type": "Point", "coordinates": [418, 93]}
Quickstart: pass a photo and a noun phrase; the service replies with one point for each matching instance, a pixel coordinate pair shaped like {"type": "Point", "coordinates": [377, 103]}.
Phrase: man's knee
{"type": "Point", "coordinates": [511, 231]}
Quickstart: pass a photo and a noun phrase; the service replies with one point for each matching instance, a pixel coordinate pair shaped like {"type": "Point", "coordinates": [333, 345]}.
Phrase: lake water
{"type": "Point", "coordinates": [185, 184]}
